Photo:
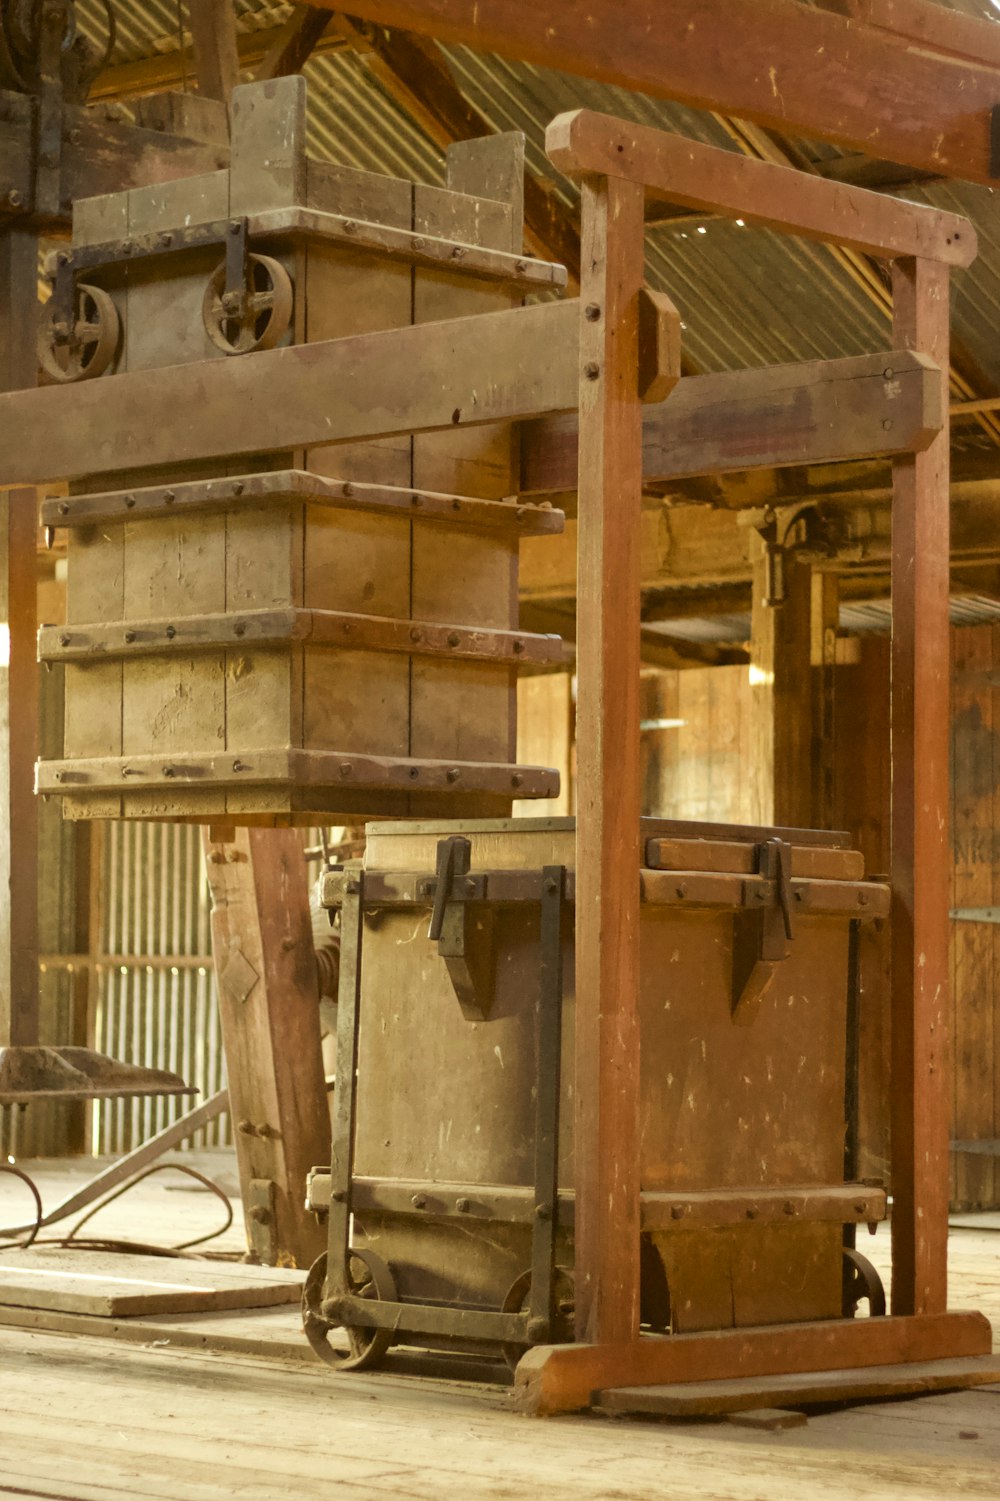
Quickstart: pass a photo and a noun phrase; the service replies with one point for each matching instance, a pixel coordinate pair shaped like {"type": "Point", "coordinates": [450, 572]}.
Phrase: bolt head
{"type": "Point", "coordinates": [463, 1206]}
{"type": "Point", "coordinates": [592, 370]}
{"type": "Point", "coordinates": [538, 1330]}
{"type": "Point", "coordinates": [419, 1201]}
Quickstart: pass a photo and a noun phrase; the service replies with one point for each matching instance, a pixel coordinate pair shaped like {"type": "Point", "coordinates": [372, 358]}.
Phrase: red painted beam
{"type": "Point", "coordinates": [796, 69]}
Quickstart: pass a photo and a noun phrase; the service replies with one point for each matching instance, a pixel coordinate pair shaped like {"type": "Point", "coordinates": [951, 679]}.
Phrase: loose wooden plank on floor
{"type": "Point", "coordinates": [114, 1285]}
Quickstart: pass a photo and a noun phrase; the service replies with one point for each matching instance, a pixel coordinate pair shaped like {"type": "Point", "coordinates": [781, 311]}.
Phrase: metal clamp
{"type": "Point", "coordinates": [761, 936]}
{"type": "Point", "coordinates": [463, 931]}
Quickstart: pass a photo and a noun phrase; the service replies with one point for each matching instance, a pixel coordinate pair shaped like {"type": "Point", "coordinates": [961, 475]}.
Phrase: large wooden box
{"type": "Point", "coordinates": [322, 633]}
{"type": "Point", "coordinates": [744, 1095]}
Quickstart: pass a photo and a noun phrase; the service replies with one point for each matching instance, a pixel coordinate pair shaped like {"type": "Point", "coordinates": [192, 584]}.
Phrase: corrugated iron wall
{"type": "Point", "coordinates": [156, 1003]}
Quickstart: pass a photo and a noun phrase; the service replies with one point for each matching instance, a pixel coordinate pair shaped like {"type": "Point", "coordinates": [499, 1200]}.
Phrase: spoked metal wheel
{"type": "Point", "coordinates": [368, 1276]}
{"type": "Point", "coordinates": [861, 1281]}
{"type": "Point", "coordinates": [565, 1307]}
{"type": "Point", "coordinates": [84, 348]}
{"type": "Point", "coordinates": [256, 317]}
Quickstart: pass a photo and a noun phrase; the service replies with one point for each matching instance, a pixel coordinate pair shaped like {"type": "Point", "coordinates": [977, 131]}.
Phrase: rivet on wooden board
{"type": "Point", "coordinates": [238, 487]}
{"type": "Point", "coordinates": [64, 640]}
{"type": "Point", "coordinates": [416, 635]}
{"type": "Point", "coordinates": [170, 632]}
{"type": "Point", "coordinates": [592, 312]}
{"type": "Point", "coordinates": [414, 773]}
{"type": "Point", "coordinates": [129, 637]}
{"type": "Point", "coordinates": [516, 779]}
{"type": "Point", "coordinates": [677, 1211]}
{"type": "Point", "coordinates": [169, 771]}
{"type": "Point", "coordinates": [419, 1201]}
{"type": "Point", "coordinates": [64, 508]}
{"type": "Point", "coordinates": [463, 1205]}
{"type": "Point", "coordinates": [751, 1214]}
{"type": "Point", "coordinates": [169, 497]}
{"type": "Point", "coordinates": [454, 639]}
{"type": "Point", "coordinates": [239, 766]}
{"type": "Point", "coordinates": [452, 775]}
{"type": "Point", "coordinates": [790, 1207]}
{"type": "Point", "coordinates": [592, 370]}
{"type": "Point", "coordinates": [129, 502]}
{"type": "Point", "coordinates": [518, 647]}
{"type": "Point", "coordinates": [416, 500]}
{"type": "Point", "coordinates": [346, 769]}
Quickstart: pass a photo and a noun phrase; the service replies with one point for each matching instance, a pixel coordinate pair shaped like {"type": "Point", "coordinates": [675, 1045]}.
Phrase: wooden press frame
{"type": "Point", "coordinates": [622, 168]}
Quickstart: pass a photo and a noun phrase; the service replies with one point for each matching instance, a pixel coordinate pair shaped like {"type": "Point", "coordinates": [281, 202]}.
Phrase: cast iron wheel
{"type": "Point", "coordinates": [861, 1281]}
{"type": "Point", "coordinates": [562, 1331]}
{"type": "Point", "coordinates": [368, 1276]}
{"type": "Point", "coordinates": [255, 319]}
{"type": "Point", "coordinates": [85, 348]}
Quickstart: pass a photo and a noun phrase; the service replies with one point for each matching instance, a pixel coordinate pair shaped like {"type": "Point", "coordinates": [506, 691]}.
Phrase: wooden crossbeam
{"type": "Point", "coordinates": [294, 44]}
{"type": "Point", "coordinates": [429, 377]}
{"type": "Point", "coordinates": [783, 64]}
{"type": "Point", "coordinates": [817, 412]}
{"type": "Point", "coordinates": [562, 1378]}
{"type": "Point", "coordinates": [678, 170]}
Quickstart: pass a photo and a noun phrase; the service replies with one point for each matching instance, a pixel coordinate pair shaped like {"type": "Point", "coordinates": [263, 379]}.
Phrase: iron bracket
{"type": "Point", "coordinates": [761, 936]}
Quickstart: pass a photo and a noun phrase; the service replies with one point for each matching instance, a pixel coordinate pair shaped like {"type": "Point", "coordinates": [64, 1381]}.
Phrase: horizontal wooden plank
{"type": "Point", "coordinates": [675, 169]}
{"type": "Point", "coordinates": [704, 854]}
{"type": "Point", "coordinates": [697, 888]}
{"type": "Point", "coordinates": [300, 223]}
{"type": "Point", "coordinates": [116, 1286]}
{"type": "Point", "coordinates": [296, 769]}
{"type": "Point", "coordinates": [817, 412]}
{"type": "Point", "coordinates": [845, 1203]}
{"type": "Point", "coordinates": [565, 1378]}
{"type": "Point", "coordinates": [806, 1389]}
{"type": "Point", "coordinates": [799, 69]}
{"type": "Point", "coordinates": [458, 373]}
{"type": "Point", "coordinates": [280, 487]}
{"type": "Point", "coordinates": [331, 628]}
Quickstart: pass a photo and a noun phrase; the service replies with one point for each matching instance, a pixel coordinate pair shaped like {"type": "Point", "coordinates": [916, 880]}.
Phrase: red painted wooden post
{"type": "Point", "coordinates": [920, 844]}
{"type": "Point", "coordinates": [609, 797]}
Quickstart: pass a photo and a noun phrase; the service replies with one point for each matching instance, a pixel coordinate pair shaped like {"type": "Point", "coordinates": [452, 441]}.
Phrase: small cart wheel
{"type": "Point", "coordinates": [861, 1281]}
{"type": "Point", "coordinates": [83, 349]}
{"type": "Point", "coordinates": [564, 1300]}
{"type": "Point", "coordinates": [256, 317]}
{"type": "Point", "coordinates": [368, 1276]}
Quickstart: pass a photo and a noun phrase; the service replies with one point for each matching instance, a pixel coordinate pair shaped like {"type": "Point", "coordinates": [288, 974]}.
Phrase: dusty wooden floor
{"type": "Point", "coordinates": [85, 1419]}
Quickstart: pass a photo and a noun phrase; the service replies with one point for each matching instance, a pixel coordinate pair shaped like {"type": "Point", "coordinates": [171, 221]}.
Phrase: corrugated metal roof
{"type": "Point", "coordinates": [748, 297]}
{"type": "Point", "coordinates": [856, 618]}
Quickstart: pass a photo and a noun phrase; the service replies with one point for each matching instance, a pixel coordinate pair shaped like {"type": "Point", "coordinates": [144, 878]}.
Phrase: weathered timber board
{"type": "Point", "coordinates": [110, 1285]}
{"type": "Point", "coordinates": [817, 412]}
{"type": "Point", "coordinates": [705, 1398]}
{"type": "Point", "coordinates": [435, 377]}
{"type": "Point", "coordinates": [674, 169]}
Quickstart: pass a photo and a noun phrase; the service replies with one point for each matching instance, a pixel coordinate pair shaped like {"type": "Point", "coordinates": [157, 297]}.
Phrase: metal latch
{"type": "Point", "coordinates": [761, 935]}
{"type": "Point", "coordinates": [463, 930]}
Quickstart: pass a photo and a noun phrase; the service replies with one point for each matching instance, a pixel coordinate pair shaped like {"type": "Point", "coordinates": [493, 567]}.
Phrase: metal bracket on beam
{"type": "Point", "coordinates": [761, 937]}
{"type": "Point", "coordinates": [463, 932]}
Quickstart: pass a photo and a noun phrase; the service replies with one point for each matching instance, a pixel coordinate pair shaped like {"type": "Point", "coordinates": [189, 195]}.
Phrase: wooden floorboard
{"type": "Point", "coordinates": [83, 1418]}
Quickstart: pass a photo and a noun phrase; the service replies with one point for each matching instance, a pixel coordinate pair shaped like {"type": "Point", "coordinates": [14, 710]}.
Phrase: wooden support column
{"type": "Point", "coordinates": [792, 659]}
{"type": "Point", "coordinates": [213, 38]}
{"type": "Point", "coordinates": [920, 842]}
{"type": "Point", "coordinates": [609, 792]}
{"type": "Point", "coordinates": [18, 671]}
{"type": "Point", "coordinates": [780, 695]}
{"type": "Point", "coordinates": [269, 1007]}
